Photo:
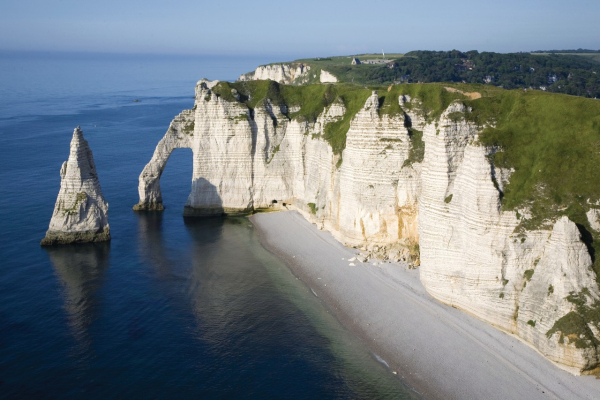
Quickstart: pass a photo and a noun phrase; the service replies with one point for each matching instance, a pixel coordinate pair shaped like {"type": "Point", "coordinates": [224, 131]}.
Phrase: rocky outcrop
{"type": "Point", "coordinates": [289, 74]}
{"type": "Point", "coordinates": [384, 195]}
{"type": "Point", "coordinates": [327, 77]}
{"type": "Point", "coordinates": [282, 73]}
{"type": "Point", "coordinates": [593, 216]}
{"type": "Point", "coordinates": [80, 213]}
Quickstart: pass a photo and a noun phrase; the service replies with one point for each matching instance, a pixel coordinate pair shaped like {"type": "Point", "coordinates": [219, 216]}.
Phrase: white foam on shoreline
{"type": "Point", "coordinates": [381, 360]}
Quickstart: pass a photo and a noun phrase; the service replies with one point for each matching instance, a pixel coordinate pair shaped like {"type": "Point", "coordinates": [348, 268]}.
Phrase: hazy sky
{"type": "Point", "coordinates": [297, 28]}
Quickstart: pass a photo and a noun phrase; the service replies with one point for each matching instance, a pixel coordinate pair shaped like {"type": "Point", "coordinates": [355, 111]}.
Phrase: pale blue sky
{"type": "Point", "coordinates": [297, 28]}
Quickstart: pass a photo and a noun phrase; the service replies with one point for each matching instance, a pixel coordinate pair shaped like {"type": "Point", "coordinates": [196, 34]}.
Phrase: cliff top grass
{"type": "Point", "coordinates": [311, 100]}
{"type": "Point", "coordinates": [432, 99]}
{"type": "Point", "coordinates": [552, 142]}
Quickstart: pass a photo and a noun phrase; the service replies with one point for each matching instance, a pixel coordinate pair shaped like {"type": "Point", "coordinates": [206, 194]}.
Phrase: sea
{"type": "Point", "coordinates": [171, 307]}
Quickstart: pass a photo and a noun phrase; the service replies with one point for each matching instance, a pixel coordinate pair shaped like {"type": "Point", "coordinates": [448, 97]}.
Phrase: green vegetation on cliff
{"type": "Point", "coordinates": [306, 102]}
{"type": "Point", "coordinates": [552, 144]}
{"type": "Point", "coordinates": [551, 141]}
{"type": "Point", "coordinates": [576, 324]}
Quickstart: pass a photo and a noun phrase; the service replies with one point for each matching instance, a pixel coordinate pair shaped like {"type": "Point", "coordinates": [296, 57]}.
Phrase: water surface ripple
{"type": "Point", "coordinates": [171, 307]}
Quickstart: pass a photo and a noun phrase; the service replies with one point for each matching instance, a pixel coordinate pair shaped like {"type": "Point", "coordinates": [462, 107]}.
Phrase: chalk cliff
{"type": "Point", "coordinates": [473, 256]}
{"type": "Point", "coordinates": [80, 213]}
{"type": "Point", "coordinates": [405, 184]}
{"type": "Point", "coordinates": [292, 73]}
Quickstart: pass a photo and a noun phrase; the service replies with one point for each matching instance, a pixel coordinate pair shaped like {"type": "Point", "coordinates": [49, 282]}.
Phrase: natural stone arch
{"type": "Point", "coordinates": [179, 135]}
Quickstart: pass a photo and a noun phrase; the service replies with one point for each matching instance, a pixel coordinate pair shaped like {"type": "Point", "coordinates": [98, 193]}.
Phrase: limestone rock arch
{"type": "Point", "coordinates": [179, 135]}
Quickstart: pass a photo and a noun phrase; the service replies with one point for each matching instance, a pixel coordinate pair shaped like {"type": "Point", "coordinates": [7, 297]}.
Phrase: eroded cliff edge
{"type": "Point", "coordinates": [404, 170]}
{"type": "Point", "coordinates": [290, 73]}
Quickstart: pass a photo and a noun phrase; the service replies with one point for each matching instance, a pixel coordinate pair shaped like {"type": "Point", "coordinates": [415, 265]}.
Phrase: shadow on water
{"type": "Point", "coordinates": [261, 333]}
{"type": "Point", "coordinates": [81, 269]}
{"type": "Point", "coordinates": [226, 280]}
{"type": "Point", "coordinates": [261, 322]}
{"type": "Point", "coordinates": [153, 246]}
{"type": "Point", "coordinates": [150, 241]}
{"type": "Point", "coordinates": [246, 323]}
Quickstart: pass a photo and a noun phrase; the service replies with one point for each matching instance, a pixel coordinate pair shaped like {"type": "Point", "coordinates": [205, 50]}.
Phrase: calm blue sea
{"type": "Point", "coordinates": [169, 308]}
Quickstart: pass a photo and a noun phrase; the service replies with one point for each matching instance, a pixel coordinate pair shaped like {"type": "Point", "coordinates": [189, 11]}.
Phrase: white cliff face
{"type": "Point", "coordinates": [293, 73]}
{"type": "Point", "coordinates": [593, 216]}
{"type": "Point", "coordinates": [245, 160]}
{"type": "Point", "coordinates": [80, 213]}
{"type": "Point", "coordinates": [564, 269]}
{"type": "Point", "coordinates": [376, 148]}
{"type": "Point", "coordinates": [327, 77]}
{"type": "Point", "coordinates": [282, 73]}
{"type": "Point", "coordinates": [473, 258]}
{"type": "Point", "coordinates": [471, 254]}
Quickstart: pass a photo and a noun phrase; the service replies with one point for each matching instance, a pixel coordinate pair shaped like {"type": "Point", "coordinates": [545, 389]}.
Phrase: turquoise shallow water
{"type": "Point", "coordinates": [170, 307]}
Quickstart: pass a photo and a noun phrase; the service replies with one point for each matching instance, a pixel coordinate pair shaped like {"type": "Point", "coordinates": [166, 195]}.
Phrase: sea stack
{"type": "Point", "coordinates": [80, 213]}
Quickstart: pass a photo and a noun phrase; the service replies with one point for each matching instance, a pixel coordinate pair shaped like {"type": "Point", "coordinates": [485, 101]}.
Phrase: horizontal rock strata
{"type": "Point", "coordinates": [80, 213]}
{"type": "Point", "coordinates": [292, 73]}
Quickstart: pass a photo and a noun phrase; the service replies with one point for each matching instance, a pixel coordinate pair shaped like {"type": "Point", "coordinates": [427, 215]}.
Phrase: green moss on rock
{"type": "Point", "coordinates": [575, 324]}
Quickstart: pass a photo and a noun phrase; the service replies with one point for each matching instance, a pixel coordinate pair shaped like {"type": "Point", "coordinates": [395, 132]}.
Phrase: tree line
{"type": "Point", "coordinates": [567, 74]}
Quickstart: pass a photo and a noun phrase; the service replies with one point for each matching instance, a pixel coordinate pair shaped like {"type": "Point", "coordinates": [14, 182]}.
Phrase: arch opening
{"type": "Point", "coordinates": [176, 177]}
